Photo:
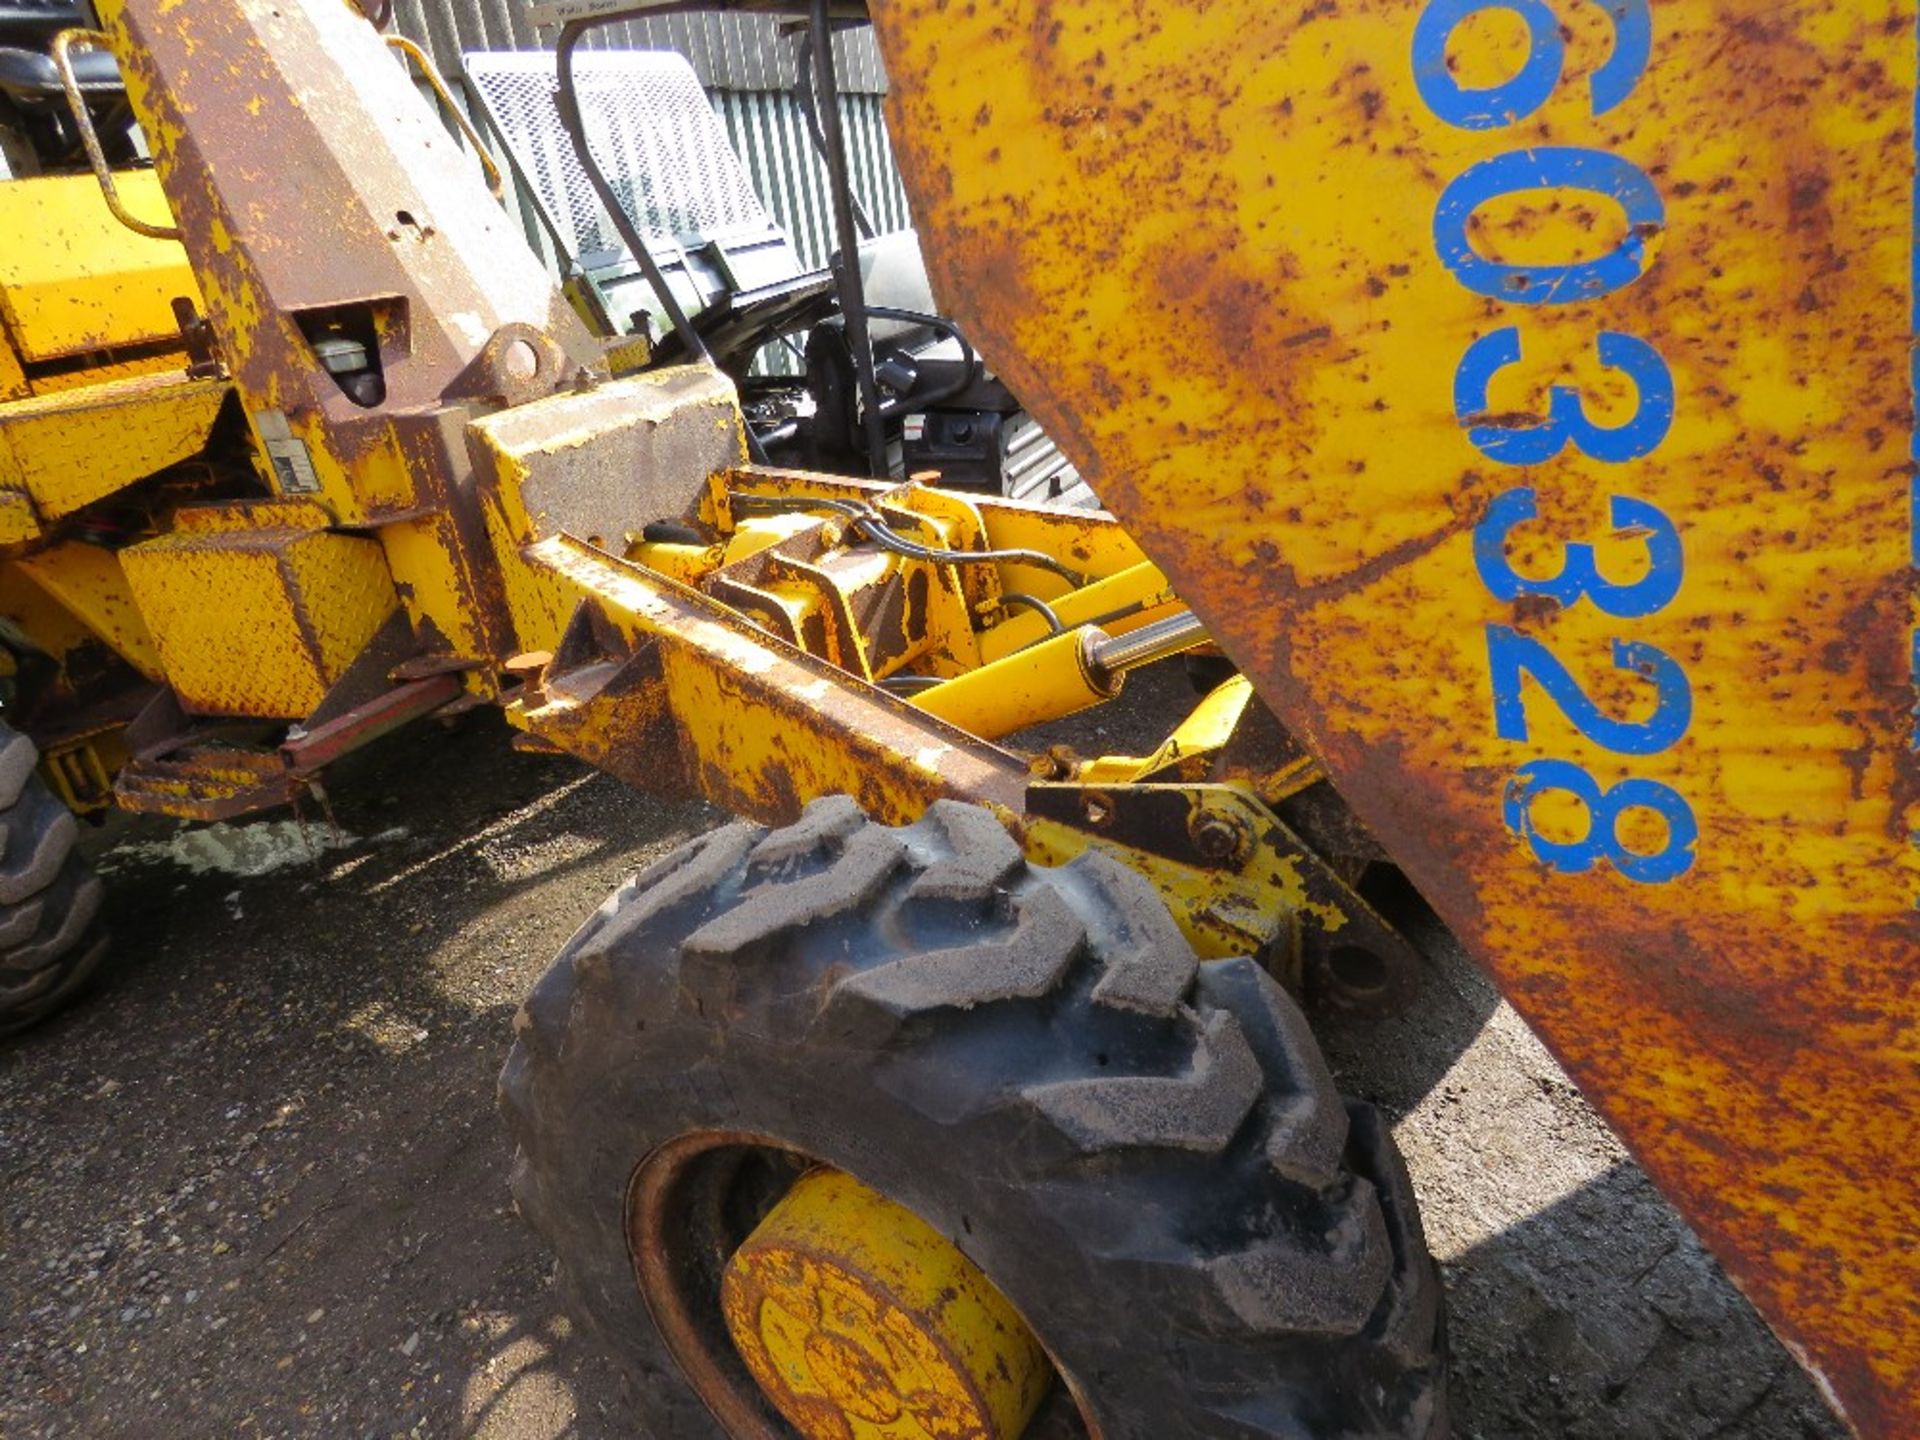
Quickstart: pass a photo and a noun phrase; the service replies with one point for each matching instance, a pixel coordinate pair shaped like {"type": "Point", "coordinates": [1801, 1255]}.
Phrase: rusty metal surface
{"type": "Point", "coordinates": [607, 462]}
{"type": "Point", "coordinates": [658, 1207]}
{"type": "Point", "coordinates": [88, 584]}
{"type": "Point", "coordinates": [1238, 881]}
{"type": "Point", "coordinates": [763, 727]}
{"type": "Point", "coordinates": [208, 782]}
{"type": "Point", "coordinates": [307, 753]}
{"type": "Point", "coordinates": [855, 1315]}
{"type": "Point", "coordinates": [68, 449]}
{"type": "Point", "coordinates": [1294, 285]}
{"type": "Point", "coordinates": [308, 174]}
{"type": "Point", "coordinates": [319, 196]}
{"type": "Point", "coordinates": [257, 620]}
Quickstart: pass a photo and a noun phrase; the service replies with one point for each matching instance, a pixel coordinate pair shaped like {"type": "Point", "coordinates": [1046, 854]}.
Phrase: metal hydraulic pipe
{"type": "Point", "coordinates": [1101, 602]}
{"type": "Point", "coordinates": [1114, 655]}
{"type": "Point", "coordinates": [1060, 676]}
{"type": "Point", "coordinates": [1043, 682]}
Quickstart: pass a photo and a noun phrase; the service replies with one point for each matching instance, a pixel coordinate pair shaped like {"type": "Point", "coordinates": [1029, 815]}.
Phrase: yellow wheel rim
{"type": "Point", "coordinates": [860, 1322]}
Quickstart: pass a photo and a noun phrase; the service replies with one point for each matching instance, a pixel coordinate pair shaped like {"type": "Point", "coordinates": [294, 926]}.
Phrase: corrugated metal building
{"type": "Point", "coordinates": [729, 51]}
{"type": "Point", "coordinates": [747, 65]}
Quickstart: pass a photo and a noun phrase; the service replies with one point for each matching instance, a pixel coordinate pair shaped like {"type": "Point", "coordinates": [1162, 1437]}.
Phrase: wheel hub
{"type": "Point", "coordinates": [860, 1322]}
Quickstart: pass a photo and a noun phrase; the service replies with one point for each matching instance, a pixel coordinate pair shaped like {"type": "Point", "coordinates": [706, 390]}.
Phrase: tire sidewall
{"type": "Point", "coordinates": [727, 1082]}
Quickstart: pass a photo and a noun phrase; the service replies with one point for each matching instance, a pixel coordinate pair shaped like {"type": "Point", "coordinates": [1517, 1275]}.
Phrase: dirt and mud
{"type": "Point", "coordinates": [254, 1185]}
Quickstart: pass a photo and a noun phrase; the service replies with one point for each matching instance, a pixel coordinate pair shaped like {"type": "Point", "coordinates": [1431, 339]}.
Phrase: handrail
{"type": "Point", "coordinates": [96, 157]}
{"type": "Point", "coordinates": [431, 72]}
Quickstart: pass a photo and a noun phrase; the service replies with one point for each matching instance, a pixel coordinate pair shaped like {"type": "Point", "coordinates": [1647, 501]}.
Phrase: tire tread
{"type": "Point", "coordinates": [52, 936]}
{"type": "Point", "coordinates": [1059, 1011]}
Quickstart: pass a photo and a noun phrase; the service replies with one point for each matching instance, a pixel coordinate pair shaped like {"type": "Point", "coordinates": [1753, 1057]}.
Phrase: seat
{"type": "Point", "coordinates": [40, 133]}
{"type": "Point", "coordinates": [32, 24]}
{"type": "Point", "coordinates": [729, 263]}
{"type": "Point", "coordinates": [30, 76]}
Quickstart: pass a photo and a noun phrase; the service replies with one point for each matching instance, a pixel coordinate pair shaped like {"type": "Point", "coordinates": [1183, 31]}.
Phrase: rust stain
{"type": "Point", "coordinates": [1200, 245]}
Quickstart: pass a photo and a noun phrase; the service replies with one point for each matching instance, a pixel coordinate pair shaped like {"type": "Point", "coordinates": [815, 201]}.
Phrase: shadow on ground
{"type": "Point", "coordinates": [255, 1185]}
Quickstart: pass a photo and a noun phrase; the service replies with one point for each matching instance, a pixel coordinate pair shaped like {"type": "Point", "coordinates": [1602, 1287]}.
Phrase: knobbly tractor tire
{"type": "Point", "coordinates": [1146, 1156]}
{"type": "Point", "coordinates": [52, 938]}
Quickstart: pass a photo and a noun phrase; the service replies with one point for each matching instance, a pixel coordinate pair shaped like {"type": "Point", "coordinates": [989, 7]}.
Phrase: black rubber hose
{"type": "Point", "coordinates": [803, 92]}
{"type": "Point", "coordinates": [1034, 603]}
{"type": "Point", "coordinates": [853, 300]}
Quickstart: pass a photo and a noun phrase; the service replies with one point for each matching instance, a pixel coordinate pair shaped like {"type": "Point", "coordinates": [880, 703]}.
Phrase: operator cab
{"type": "Point", "coordinates": [771, 317]}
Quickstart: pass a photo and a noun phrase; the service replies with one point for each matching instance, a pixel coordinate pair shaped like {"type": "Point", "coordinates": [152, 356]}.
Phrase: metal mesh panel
{"type": "Point", "coordinates": [653, 131]}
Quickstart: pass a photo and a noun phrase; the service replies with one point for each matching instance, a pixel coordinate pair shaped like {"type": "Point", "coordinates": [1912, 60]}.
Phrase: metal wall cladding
{"type": "Point", "coordinates": [728, 51]}
{"type": "Point", "coordinates": [770, 133]}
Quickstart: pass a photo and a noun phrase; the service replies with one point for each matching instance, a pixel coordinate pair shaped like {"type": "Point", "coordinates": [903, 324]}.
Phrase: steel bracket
{"type": "Point", "coordinates": [1238, 881]}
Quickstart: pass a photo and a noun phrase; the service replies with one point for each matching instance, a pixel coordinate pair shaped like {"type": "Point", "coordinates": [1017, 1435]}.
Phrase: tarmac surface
{"type": "Point", "coordinates": [254, 1184]}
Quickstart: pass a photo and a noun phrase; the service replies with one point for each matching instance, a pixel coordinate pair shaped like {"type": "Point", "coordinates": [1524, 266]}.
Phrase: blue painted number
{"type": "Point", "coordinates": [1580, 578]}
{"type": "Point", "coordinates": [1549, 167]}
{"type": "Point", "coordinates": [1496, 105]}
{"type": "Point", "coordinates": [1490, 107]}
{"type": "Point", "coordinates": [1512, 655]}
{"type": "Point", "coordinates": [1566, 417]}
{"type": "Point", "coordinates": [1604, 809]}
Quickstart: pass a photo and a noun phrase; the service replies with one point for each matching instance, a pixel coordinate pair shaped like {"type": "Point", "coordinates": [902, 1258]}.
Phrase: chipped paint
{"type": "Point", "coordinates": [86, 283]}
{"type": "Point", "coordinates": [1232, 258]}
{"type": "Point", "coordinates": [52, 446]}
{"type": "Point", "coordinates": [310, 601]}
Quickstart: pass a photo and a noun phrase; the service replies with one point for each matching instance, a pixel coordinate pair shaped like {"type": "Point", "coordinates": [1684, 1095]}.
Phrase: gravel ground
{"type": "Point", "coordinates": [254, 1185]}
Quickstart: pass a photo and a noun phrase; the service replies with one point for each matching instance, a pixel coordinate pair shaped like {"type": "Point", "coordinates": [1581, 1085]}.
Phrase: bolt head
{"type": "Point", "coordinates": [1222, 839]}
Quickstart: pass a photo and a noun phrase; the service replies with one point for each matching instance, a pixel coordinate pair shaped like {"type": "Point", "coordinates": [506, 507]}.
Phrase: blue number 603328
{"type": "Point", "coordinates": [1490, 107]}
{"type": "Point", "coordinates": [1566, 415]}
{"type": "Point", "coordinates": [1580, 579]}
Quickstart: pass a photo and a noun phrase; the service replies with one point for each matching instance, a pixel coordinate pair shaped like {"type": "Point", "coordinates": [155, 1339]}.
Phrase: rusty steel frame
{"type": "Point", "coordinates": [1312, 296]}
{"type": "Point", "coordinates": [494, 494]}
{"type": "Point", "coordinates": [307, 754]}
{"type": "Point", "coordinates": [767, 726]}
{"type": "Point", "coordinates": [667, 688]}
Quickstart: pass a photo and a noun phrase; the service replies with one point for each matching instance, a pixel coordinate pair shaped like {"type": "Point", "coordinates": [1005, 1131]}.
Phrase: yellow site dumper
{"type": "Point", "coordinates": [1513, 400]}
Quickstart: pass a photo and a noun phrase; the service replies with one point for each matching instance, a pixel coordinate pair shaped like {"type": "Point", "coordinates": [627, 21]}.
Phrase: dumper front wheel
{"type": "Point", "coordinates": [846, 1130]}
{"type": "Point", "coordinates": [51, 935]}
